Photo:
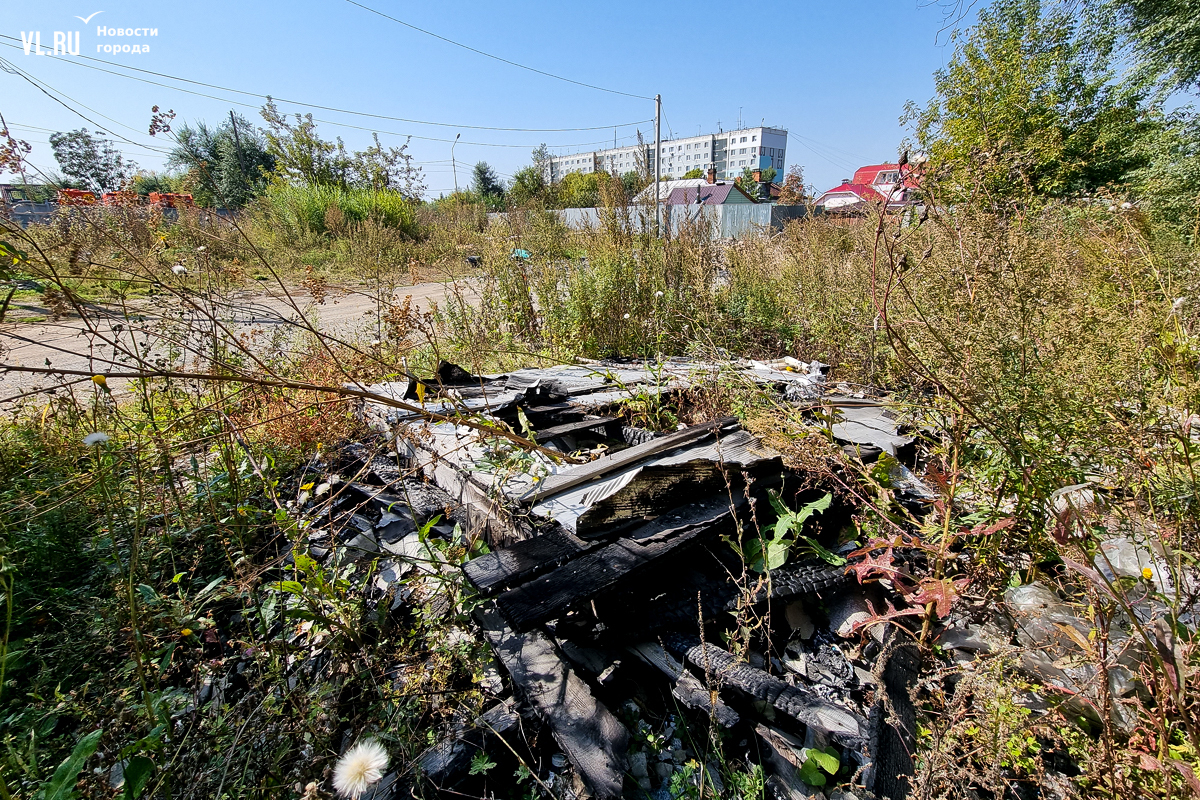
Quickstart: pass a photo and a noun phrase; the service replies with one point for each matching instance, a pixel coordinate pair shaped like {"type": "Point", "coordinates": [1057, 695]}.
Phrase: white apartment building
{"type": "Point", "coordinates": [728, 152]}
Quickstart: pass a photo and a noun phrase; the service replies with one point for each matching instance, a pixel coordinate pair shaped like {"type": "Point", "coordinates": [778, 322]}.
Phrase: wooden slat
{"type": "Point", "coordinates": [568, 479]}
{"type": "Point", "coordinates": [798, 702]}
{"type": "Point", "coordinates": [688, 689]}
{"type": "Point", "coordinates": [445, 762]}
{"type": "Point", "coordinates": [574, 427]}
{"type": "Point", "coordinates": [524, 559]}
{"type": "Point", "coordinates": [584, 577]}
{"type": "Point", "coordinates": [588, 733]}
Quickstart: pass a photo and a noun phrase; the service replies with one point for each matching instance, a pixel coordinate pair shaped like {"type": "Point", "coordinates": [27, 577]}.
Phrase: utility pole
{"type": "Point", "coordinates": [657, 162]}
{"type": "Point", "coordinates": [454, 164]}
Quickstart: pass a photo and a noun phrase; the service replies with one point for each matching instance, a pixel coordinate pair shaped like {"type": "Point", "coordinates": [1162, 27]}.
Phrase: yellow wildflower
{"type": "Point", "coordinates": [1147, 573]}
{"type": "Point", "coordinates": [100, 381]}
{"type": "Point", "coordinates": [186, 632]}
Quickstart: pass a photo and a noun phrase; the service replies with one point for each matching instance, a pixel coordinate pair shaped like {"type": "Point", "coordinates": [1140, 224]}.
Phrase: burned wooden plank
{"type": "Point", "coordinates": [576, 427]}
{"type": "Point", "coordinates": [524, 559]}
{"type": "Point", "coordinates": [687, 688]}
{"type": "Point", "coordinates": [584, 577]}
{"type": "Point", "coordinates": [727, 671]}
{"type": "Point", "coordinates": [447, 760]}
{"type": "Point", "coordinates": [588, 733]}
{"type": "Point", "coordinates": [586, 473]}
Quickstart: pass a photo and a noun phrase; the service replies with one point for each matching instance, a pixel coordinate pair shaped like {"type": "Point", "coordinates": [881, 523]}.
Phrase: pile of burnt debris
{"type": "Point", "coordinates": [614, 581]}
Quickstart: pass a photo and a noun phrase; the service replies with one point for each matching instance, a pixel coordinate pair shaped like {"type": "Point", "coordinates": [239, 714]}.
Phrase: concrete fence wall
{"type": "Point", "coordinates": [724, 222]}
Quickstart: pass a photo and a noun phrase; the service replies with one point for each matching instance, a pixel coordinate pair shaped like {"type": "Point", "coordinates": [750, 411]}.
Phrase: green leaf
{"type": "Point", "coordinates": [137, 772]}
{"type": "Point", "coordinates": [781, 510]}
{"type": "Point", "coordinates": [826, 555]}
{"type": "Point", "coordinates": [827, 759]}
{"type": "Point", "coordinates": [212, 585]}
{"type": "Point", "coordinates": [149, 596]}
{"type": "Point", "coordinates": [811, 774]}
{"type": "Point", "coordinates": [292, 587]}
{"type": "Point", "coordinates": [61, 785]}
{"type": "Point", "coordinates": [815, 507]}
{"type": "Point", "coordinates": [777, 553]}
{"type": "Point", "coordinates": [480, 763]}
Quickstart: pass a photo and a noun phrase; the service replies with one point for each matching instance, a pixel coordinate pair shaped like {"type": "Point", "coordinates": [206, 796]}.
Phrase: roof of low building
{"type": "Point", "coordinates": [711, 194]}
{"type": "Point", "coordinates": [666, 187]}
{"type": "Point", "coordinates": [860, 190]}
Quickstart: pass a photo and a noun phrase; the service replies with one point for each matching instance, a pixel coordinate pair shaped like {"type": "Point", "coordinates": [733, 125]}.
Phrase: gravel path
{"type": "Point", "coordinates": [68, 345]}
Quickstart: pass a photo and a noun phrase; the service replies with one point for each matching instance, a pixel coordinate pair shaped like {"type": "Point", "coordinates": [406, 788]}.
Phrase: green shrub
{"type": "Point", "coordinates": [303, 212]}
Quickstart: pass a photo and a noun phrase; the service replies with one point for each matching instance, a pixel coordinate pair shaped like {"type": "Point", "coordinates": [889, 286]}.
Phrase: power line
{"type": "Point", "coordinates": [14, 70]}
{"type": "Point", "coordinates": [831, 148]}
{"type": "Point", "coordinates": [497, 58]}
{"type": "Point", "coordinates": [315, 119]}
{"type": "Point", "coordinates": [334, 108]}
{"type": "Point", "coordinates": [822, 156]}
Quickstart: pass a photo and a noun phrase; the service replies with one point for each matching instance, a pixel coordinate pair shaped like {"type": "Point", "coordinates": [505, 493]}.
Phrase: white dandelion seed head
{"type": "Point", "coordinates": [95, 439]}
{"type": "Point", "coordinates": [1178, 304]}
{"type": "Point", "coordinates": [362, 765]}
{"type": "Point", "coordinates": [179, 269]}
{"type": "Point", "coordinates": [626, 316]}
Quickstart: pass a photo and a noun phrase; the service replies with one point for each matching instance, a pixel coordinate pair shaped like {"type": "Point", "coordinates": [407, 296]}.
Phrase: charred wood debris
{"type": "Point", "coordinates": [609, 584]}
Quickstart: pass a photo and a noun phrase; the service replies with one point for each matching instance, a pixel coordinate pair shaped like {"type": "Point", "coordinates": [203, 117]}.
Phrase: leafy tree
{"type": "Point", "coordinates": [1028, 107]}
{"type": "Point", "coordinates": [528, 186]}
{"type": "Point", "coordinates": [580, 189]}
{"type": "Point", "coordinates": [633, 182]}
{"type": "Point", "coordinates": [1166, 35]}
{"type": "Point", "coordinates": [91, 161]}
{"type": "Point", "coordinates": [752, 186]}
{"type": "Point", "coordinates": [389, 169]}
{"type": "Point", "coordinates": [1168, 185]}
{"type": "Point", "coordinates": [693, 173]}
{"type": "Point", "coordinates": [146, 182]}
{"type": "Point", "coordinates": [485, 181]}
{"type": "Point", "coordinates": [303, 157]}
{"type": "Point", "coordinates": [793, 192]}
{"type": "Point", "coordinates": [226, 165]}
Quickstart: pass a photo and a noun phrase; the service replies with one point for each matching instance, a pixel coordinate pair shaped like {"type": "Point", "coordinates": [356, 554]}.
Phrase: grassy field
{"type": "Point", "coordinates": [140, 540]}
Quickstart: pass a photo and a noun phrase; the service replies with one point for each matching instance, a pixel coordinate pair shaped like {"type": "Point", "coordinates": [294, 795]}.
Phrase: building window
{"type": "Point", "coordinates": [753, 139]}
{"type": "Point", "coordinates": [743, 138]}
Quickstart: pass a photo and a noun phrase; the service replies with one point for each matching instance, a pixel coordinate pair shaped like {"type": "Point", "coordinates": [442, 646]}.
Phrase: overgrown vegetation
{"type": "Point", "coordinates": [1037, 317]}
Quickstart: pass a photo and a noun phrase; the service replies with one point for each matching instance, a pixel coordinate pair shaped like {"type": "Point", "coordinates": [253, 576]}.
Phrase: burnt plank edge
{"type": "Point", "coordinates": [588, 733]}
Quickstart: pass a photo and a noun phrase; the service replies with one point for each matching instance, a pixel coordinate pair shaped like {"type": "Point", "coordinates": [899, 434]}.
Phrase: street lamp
{"type": "Point", "coordinates": [453, 164]}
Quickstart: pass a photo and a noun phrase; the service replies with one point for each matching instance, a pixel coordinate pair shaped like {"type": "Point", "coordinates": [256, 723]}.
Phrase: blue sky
{"type": "Point", "coordinates": [837, 75]}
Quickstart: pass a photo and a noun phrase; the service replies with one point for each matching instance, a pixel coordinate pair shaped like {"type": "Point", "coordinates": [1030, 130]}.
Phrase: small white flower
{"type": "Point", "coordinates": [1126, 205]}
{"type": "Point", "coordinates": [1112, 209]}
{"type": "Point", "coordinates": [658, 294]}
{"type": "Point", "coordinates": [179, 269]}
{"type": "Point", "coordinates": [94, 439]}
{"type": "Point", "coordinates": [362, 765]}
{"type": "Point", "coordinates": [1178, 304]}
{"type": "Point", "coordinates": [626, 317]}
{"type": "Point", "coordinates": [201, 249]}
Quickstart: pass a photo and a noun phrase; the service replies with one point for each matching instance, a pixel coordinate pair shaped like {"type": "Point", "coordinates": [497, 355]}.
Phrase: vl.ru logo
{"type": "Point", "coordinates": [65, 43]}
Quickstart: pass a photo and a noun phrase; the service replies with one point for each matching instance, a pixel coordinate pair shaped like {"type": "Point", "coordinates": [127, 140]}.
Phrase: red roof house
{"type": "Point", "coordinates": [877, 183]}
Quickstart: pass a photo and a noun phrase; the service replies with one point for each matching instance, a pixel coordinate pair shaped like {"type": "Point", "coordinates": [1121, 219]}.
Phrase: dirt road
{"type": "Point", "coordinates": [69, 345]}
